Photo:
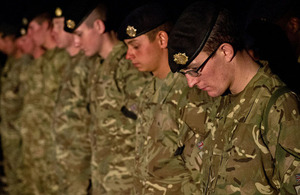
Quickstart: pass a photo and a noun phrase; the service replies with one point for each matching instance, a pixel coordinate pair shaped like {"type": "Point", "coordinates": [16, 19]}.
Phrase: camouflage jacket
{"type": "Point", "coordinates": [241, 156]}
{"type": "Point", "coordinates": [11, 106]}
{"type": "Point", "coordinates": [115, 87]}
{"type": "Point", "coordinates": [37, 118]}
{"type": "Point", "coordinates": [165, 131]}
{"type": "Point", "coordinates": [71, 120]}
{"type": "Point", "coordinates": [11, 98]}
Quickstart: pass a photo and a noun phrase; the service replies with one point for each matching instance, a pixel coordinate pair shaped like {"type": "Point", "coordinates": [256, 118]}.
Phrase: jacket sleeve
{"type": "Point", "coordinates": [283, 137]}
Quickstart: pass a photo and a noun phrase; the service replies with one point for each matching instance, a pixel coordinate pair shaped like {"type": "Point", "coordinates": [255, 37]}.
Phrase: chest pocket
{"type": "Point", "coordinates": [244, 160]}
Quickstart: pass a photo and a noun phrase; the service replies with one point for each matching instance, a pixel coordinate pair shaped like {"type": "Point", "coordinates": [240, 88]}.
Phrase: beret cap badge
{"type": "Point", "coordinates": [131, 31]}
{"type": "Point", "coordinates": [180, 58]}
{"type": "Point", "coordinates": [24, 21]}
{"type": "Point", "coordinates": [70, 24]}
{"type": "Point", "coordinates": [23, 31]}
{"type": "Point", "coordinates": [58, 12]}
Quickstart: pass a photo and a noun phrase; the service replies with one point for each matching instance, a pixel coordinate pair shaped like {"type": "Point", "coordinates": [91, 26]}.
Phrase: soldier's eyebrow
{"type": "Point", "coordinates": [131, 41]}
{"type": "Point", "coordinates": [77, 32]}
{"type": "Point", "coordinates": [193, 65]}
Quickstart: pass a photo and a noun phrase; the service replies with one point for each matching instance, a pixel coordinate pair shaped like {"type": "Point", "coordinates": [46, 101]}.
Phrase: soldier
{"type": "Point", "coordinates": [37, 115]}
{"type": "Point", "coordinates": [252, 141]}
{"type": "Point", "coordinates": [71, 117]}
{"type": "Point", "coordinates": [11, 104]}
{"type": "Point", "coordinates": [27, 46]}
{"type": "Point", "coordinates": [163, 140]}
{"type": "Point", "coordinates": [114, 88]}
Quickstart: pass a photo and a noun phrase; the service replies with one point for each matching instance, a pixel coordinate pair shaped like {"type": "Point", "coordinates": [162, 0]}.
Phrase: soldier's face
{"type": "Point", "coordinates": [214, 77]}
{"type": "Point", "coordinates": [1, 43]}
{"type": "Point", "coordinates": [88, 39]}
{"type": "Point", "coordinates": [9, 45]}
{"type": "Point", "coordinates": [144, 54]}
{"type": "Point", "coordinates": [25, 44]}
{"type": "Point", "coordinates": [62, 38]}
{"type": "Point", "coordinates": [37, 32]}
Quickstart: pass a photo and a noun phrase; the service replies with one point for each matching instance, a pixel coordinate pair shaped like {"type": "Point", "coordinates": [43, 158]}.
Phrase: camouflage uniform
{"type": "Point", "coordinates": [11, 105]}
{"type": "Point", "coordinates": [115, 86]}
{"type": "Point", "coordinates": [166, 126]}
{"type": "Point", "coordinates": [241, 156]}
{"type": "Point", "coordinates": [31, 81]}
{"type": "Point", "coordinates": [37, 121]}
{"type": "Point", "coordinates": [194, 114]}
{"type": "Point", "coordinates": [73, 148]}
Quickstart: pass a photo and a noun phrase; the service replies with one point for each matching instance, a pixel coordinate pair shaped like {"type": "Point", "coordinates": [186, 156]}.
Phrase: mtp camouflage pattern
{"type": "Point", "coordinates": [165, 132]}
{"type": "Point", "coordinates": [11, 106]}
{"type": "Point", "coordinates": [239, 155]}
{"type": "Point", "coordinates": [115, 87]}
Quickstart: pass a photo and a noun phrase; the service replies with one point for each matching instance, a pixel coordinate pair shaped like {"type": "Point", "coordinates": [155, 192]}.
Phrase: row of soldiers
{"type": "Point", "coordinates": [147, 106]}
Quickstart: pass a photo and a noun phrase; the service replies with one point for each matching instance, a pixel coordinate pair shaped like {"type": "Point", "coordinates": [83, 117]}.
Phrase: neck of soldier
{"type": "Point", "coordinates": [72, 50]}
{"type": "Point", "coordinates": [244, 69]}
{"type": "Point", "coordinates": [109, 40]}
{"type": "Point", "coordinates": [163, 69]}
{"type": "Point", "coordinates": [38, 52]}
{"type": "Point", "coordinates": [49, 41]}
{"type": "Point", "coordinates": [18, 54]}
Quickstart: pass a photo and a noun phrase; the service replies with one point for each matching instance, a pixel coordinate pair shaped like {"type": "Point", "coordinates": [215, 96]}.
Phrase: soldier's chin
{"type": "Point", "coordinates": [88, 54]}
{"type": "Point", "coordinates": [212, 93]}
{"type": "Point", "coordinates": [61, 46]}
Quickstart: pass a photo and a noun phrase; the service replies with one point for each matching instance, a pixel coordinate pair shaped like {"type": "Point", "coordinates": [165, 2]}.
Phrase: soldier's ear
{"type": "Point", "coordinates": [227, 51]}
{"type": "Point", "coordinates": [163, 39]}
{"type": "Point", "coordinates": [99, 26]}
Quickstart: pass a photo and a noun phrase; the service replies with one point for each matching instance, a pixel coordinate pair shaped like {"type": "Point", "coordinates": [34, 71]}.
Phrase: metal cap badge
{"type": "Point", "coordinates": [70, 24]}
{"type": "Point", "coordinates": [180, 58]}
{"type": "Point", "coordinates": [23, 31]}
{"type": "Point", "coordinates": [58, 12]}
{"type": "Point", "coordinates": [131, 31]}
{"type": "Point", "coordinates": [24, 21]}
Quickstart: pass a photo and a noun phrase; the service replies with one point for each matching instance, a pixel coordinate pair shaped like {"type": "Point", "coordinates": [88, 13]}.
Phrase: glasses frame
{"type": "Point", "coordinates": [196, 73]}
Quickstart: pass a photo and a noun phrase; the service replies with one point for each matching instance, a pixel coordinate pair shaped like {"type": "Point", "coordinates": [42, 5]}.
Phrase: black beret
{"type": "Point", "coordinates": [190, 33]}
{"type": "Point", "coordinates": [142, 20]}
{"type": "Point", "coordinates": [76, 12]}
{"type": "Point", "coordinates": [58, 10]}
{"type": "Point", "coordinates": [10, 29]}
{"type": "Point", "coordinates": [23, 26]}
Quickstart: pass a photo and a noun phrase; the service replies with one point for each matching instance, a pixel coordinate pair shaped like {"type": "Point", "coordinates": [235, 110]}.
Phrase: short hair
{"type": "Point", "coordinates": [167, 26]}
{"type": "Point", "coordinates": [99, 13]}
{"type": "Point", "coordinates": [43, 17]}
{"type": "Point", "coordinates": [226, 30]}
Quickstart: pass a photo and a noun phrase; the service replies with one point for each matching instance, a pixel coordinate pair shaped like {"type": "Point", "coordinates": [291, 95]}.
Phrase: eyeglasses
{"type": "Point", "coordinates": [196, 73]}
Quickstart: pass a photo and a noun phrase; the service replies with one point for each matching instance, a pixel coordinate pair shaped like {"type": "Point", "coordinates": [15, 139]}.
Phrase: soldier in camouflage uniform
{"type": "Point", "coordinates": [251, 145]}
{"type": "Point", "coordinates": [37, 115]}
{"type": "Point", "coordinates": [165, 131]}
{"type": "Point", "coordinates": [11, 104]}
{"type": "Point", "coordinates": [114, 88]}
{"type": "Point", "coordinates": [71, 118]}
{"type": "Point", "coordinates": [27, 46]}
{"type": "Point", "coordinates": [2, 174]}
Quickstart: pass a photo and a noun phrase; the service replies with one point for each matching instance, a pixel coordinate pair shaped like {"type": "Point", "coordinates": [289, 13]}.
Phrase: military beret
{"type": "Point", "coordinates": [76, 12]}
{"type": "Point", "coordinates": [23, 26]}
{"type": "Point", "coordinates": [142, 20]}
{"type": "Point", "coordinates": [190, 33]}
{"type": "Point", "coordinates": [8, 29]}
{"type": "Point", "coordinates": [58, 11]}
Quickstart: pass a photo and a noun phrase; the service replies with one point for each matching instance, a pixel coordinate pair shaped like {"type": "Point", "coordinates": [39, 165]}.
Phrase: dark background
{"type": "Point", "coordinates": [12, 10]}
